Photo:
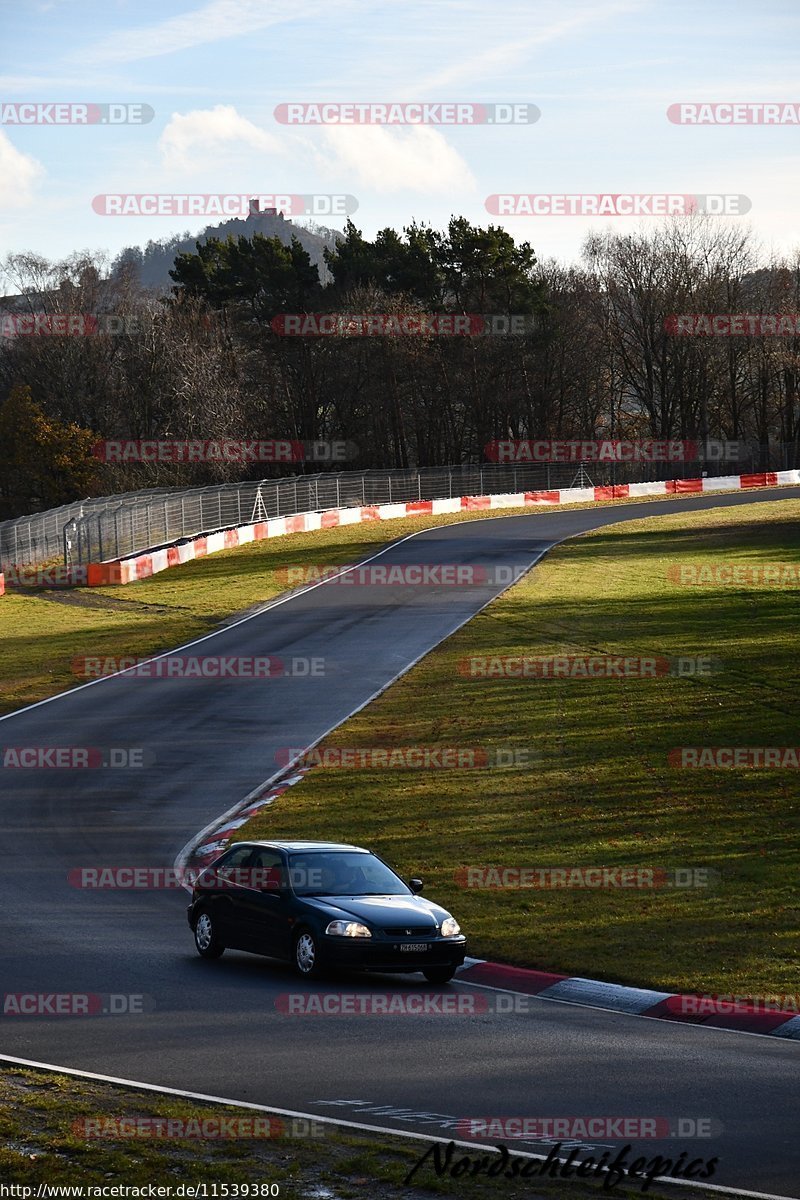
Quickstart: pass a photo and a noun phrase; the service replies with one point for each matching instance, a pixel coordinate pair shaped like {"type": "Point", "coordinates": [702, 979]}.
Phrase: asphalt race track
{"type": "Point", "coordinates": [213, 1027]}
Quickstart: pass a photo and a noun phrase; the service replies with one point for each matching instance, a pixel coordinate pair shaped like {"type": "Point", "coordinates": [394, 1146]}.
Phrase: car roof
{"type": "Point", "coordinates": [309, 846]}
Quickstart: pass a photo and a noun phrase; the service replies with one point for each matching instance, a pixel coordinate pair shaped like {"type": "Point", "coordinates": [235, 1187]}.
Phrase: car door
{"type": "Point", "coordinates": [262, 908]}
{"type": "Point", "coordinates": [219, 885]}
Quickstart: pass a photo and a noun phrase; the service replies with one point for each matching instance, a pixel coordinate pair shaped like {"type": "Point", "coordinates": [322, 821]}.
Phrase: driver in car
{"type": "Point", "coordinates": [341, 878]}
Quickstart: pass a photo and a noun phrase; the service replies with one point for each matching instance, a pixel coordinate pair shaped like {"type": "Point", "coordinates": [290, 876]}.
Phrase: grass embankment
{"type": "Point", "coordinates": [603, 793]}
{"type": "Point", "coordinates": [38, 1113]}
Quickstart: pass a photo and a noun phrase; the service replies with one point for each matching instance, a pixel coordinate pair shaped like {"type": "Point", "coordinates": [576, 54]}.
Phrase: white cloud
{"type": "Point", "coordinates": [200, 139]}
{"type": "Point", "coordinates": [388, 160]}
{"type": "Point", "coordinates": [19, 174]}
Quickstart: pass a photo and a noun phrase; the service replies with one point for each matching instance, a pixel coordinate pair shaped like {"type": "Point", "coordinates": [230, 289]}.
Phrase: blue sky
{"type": "Point", "coordinates": [603, 74]}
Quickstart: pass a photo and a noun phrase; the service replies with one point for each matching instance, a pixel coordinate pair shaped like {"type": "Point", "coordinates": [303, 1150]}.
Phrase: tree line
{"type": "Point", "coordinates": [598, 354]}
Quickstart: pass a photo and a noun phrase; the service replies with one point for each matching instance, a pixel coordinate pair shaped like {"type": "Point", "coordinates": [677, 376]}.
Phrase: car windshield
{"type": "Point", "coordinates": [343, 873]}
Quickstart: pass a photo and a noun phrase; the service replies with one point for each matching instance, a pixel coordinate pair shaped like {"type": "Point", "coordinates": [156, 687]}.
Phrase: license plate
{"type": "Point", "coordinates": [414, 946]}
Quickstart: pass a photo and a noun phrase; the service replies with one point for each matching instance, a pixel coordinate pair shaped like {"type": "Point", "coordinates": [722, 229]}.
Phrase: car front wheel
{"type": "Point", "coordinates": [306, 955]}
{"type": "Point", "coordinates": [439, 974]}
{"type": "Point", "coordinates": [205, 937]}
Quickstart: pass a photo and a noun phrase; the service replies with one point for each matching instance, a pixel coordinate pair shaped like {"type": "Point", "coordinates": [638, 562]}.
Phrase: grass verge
{"type": "Point", "coordinates": [603, 792]}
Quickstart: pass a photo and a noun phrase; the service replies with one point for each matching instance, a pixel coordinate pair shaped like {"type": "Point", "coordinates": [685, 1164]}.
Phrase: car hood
{"type": "Point", "coordinates": [386, 912]}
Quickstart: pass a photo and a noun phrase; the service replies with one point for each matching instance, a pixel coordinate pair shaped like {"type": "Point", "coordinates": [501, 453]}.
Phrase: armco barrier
{"type": "Point", "coordinates": [142, 566]}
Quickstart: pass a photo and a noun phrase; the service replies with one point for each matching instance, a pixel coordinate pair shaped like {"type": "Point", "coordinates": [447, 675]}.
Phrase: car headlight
{"type": "Point", "coordinates": [348, 929]}
{"type": "Point", "coordinates": [450, 927]}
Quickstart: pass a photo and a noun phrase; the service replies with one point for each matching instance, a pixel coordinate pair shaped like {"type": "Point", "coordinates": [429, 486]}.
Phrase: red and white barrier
{"type": "Point", "coordinates": [142, 566]}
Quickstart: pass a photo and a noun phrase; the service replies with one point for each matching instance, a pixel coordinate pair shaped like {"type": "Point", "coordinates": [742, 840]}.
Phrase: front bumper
{"type": "Point", "coordinates": [374, 954]}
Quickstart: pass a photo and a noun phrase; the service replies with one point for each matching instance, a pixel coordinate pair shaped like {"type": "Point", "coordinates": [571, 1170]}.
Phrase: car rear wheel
{"type": "Point", "coordinates": [205, 937]}
{"type": "Point", "coordinates": [439, 974]}
{"type": "Point", "coordinates": [306, 955]}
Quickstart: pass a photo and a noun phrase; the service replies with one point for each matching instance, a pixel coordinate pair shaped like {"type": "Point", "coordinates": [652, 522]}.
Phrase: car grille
{"type": "Point", "coordinates": [411, 931]}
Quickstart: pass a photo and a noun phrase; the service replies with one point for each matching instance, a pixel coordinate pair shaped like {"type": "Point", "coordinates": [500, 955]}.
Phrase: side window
{"type": "Point", "coordinates": [266, 871]}
{"type": "Point", "coordinates": [230, 867]}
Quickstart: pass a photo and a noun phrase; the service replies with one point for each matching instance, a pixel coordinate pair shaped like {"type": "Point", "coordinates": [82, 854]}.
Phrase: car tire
{"type": "Point", "coordinates": [206, 940]}
{"type": "Point", "coordinates": [305, 955]}
{"type": "Point", "coordinates": [439, 974]}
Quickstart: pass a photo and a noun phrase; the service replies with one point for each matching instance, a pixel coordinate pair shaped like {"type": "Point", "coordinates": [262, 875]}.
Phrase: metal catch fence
{"type": "Point", "coordinates": [105, 527]}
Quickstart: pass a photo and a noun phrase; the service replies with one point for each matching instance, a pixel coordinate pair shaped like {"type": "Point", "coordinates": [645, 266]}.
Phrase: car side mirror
{"type": "Point", "coordinates": [416, 885]}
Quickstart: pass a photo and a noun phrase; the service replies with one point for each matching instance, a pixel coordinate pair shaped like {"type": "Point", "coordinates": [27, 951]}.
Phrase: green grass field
{"type": "Point", "coordinates": [602, 792]}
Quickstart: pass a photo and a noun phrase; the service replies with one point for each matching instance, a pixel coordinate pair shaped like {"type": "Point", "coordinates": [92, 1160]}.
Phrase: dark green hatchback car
{"type": "Point", "coordinates": [322, 904]}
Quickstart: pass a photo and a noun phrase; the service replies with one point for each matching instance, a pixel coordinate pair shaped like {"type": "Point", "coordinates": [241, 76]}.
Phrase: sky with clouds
{"type": "Point", "coordinates": [603, 74]}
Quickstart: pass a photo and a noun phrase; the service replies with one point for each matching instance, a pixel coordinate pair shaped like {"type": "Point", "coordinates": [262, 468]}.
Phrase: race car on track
{"type": "Point", "coordinates": [322, 905]}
